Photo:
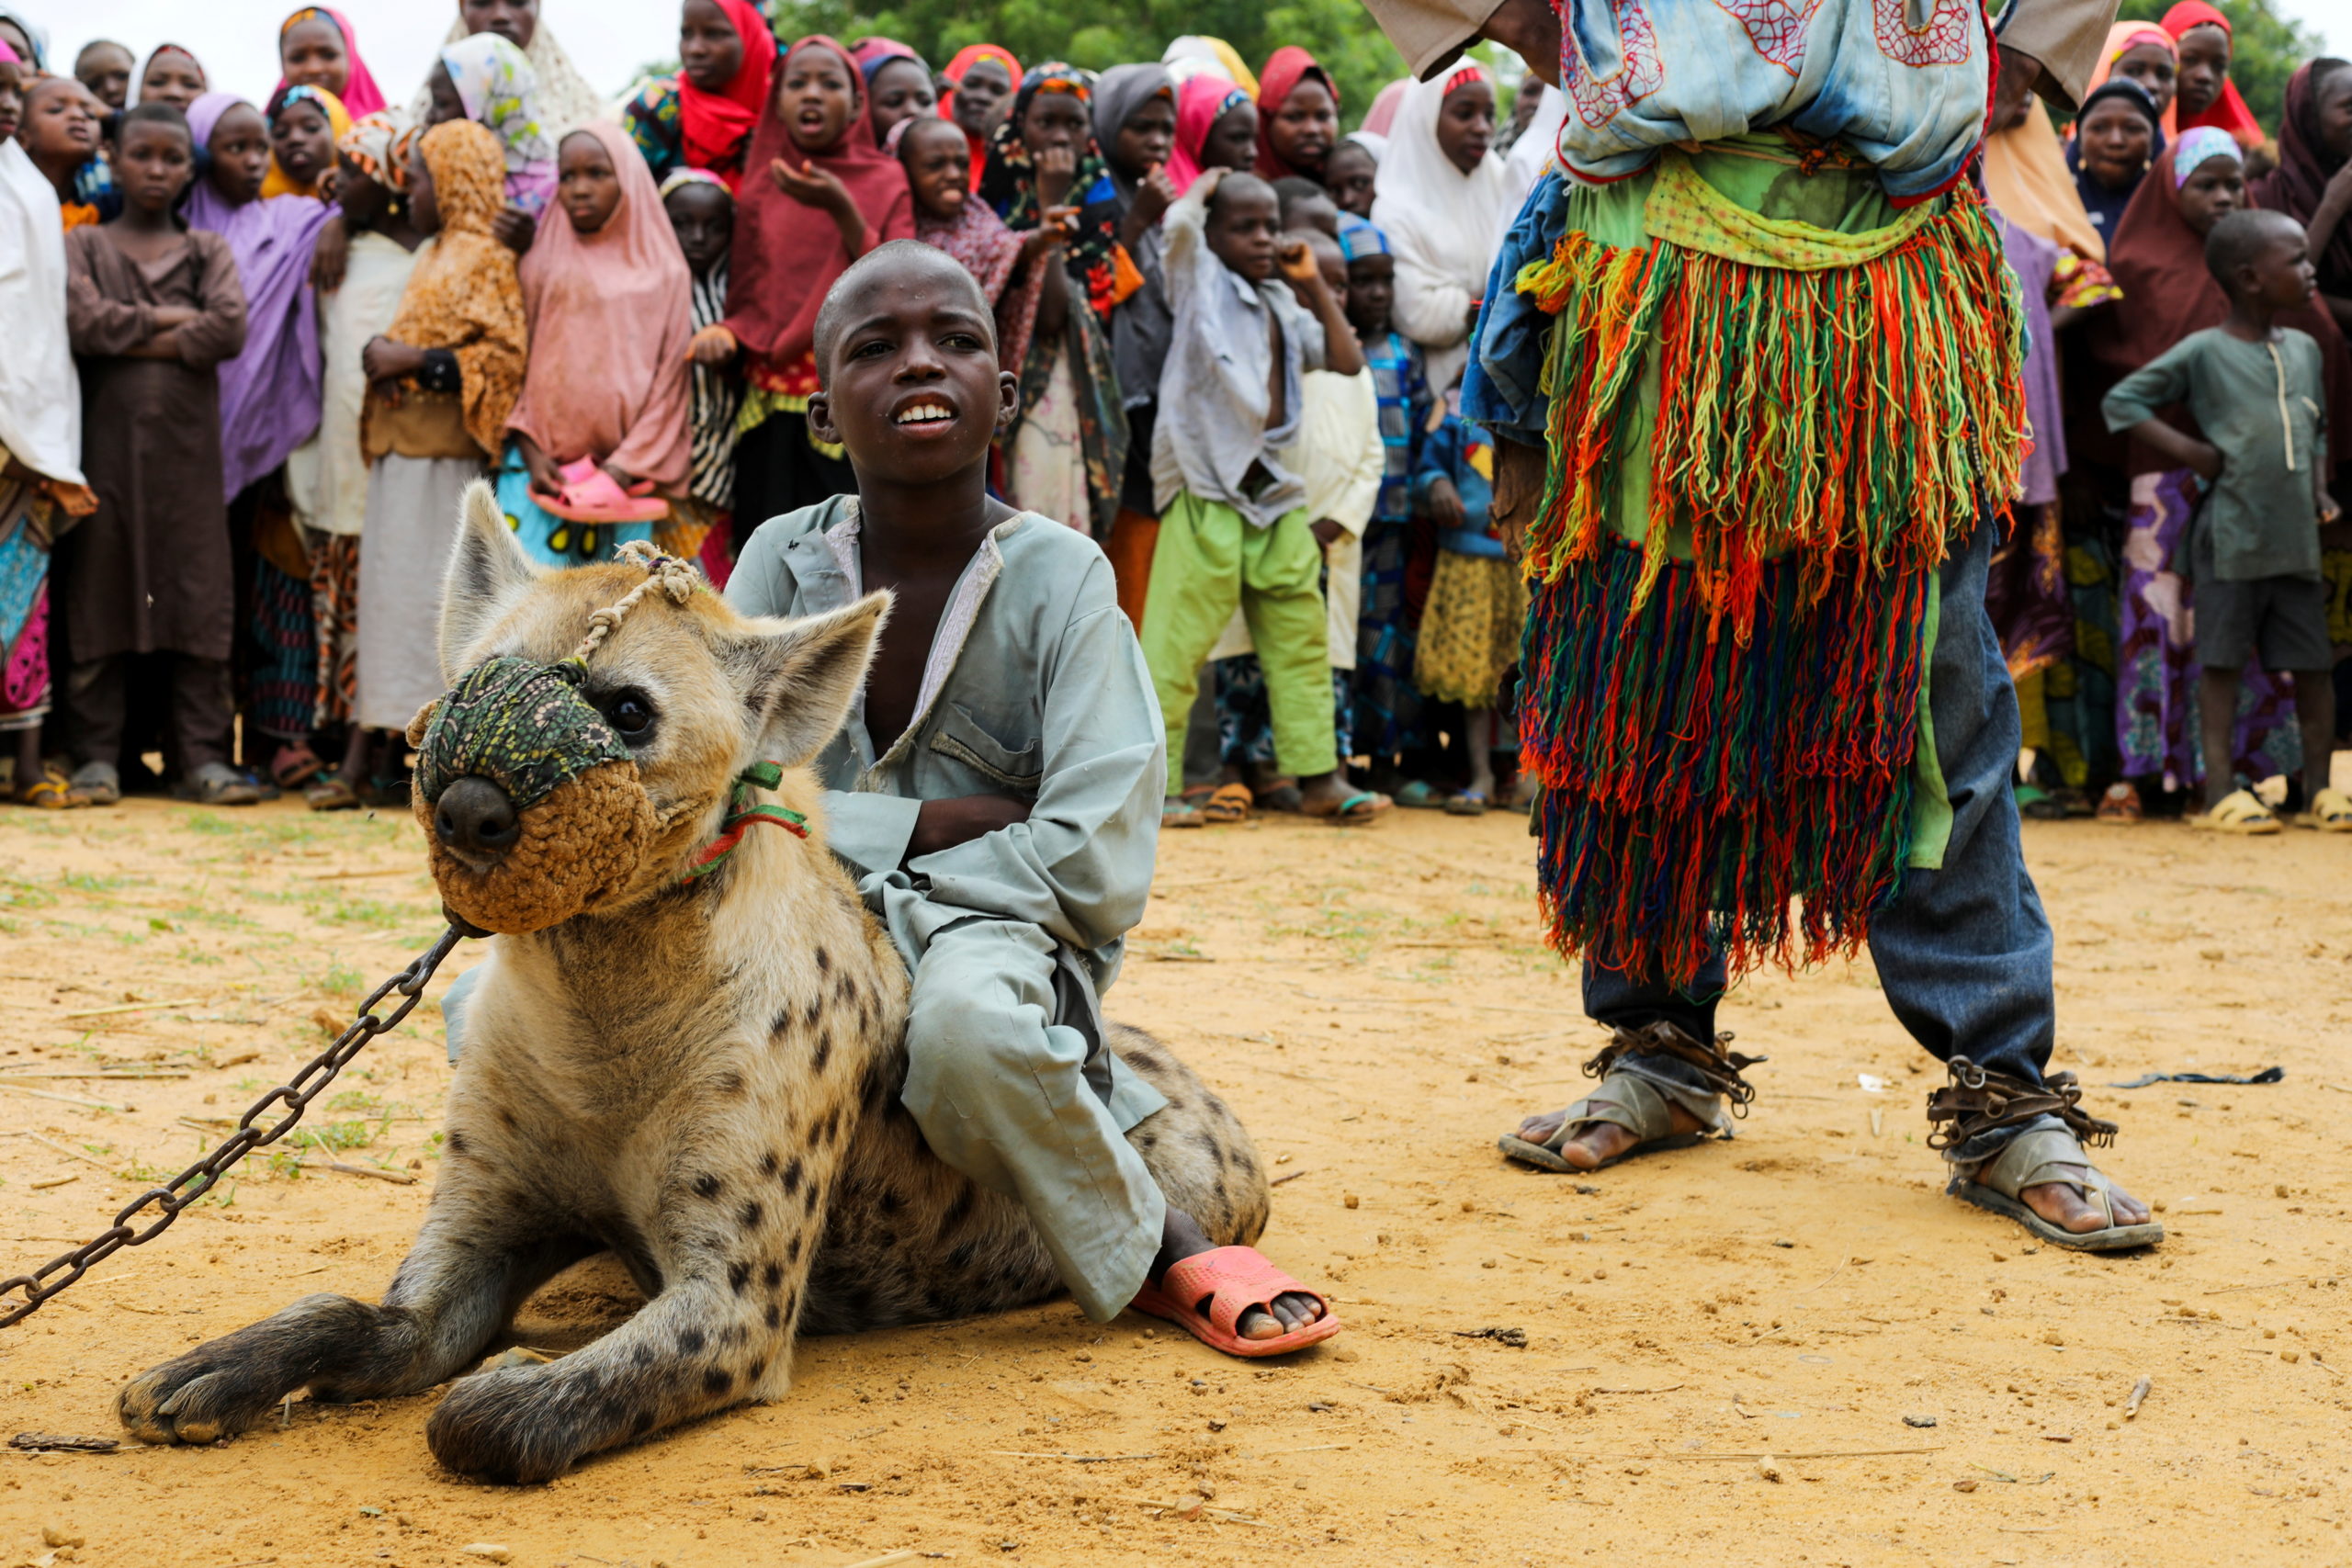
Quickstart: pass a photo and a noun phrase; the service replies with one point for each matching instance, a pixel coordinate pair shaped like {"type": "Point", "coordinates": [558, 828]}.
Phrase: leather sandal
{"type": "Point", "coordinates": [2240, 811]}
{"type": "Point", "coordinates": [2038, 1157]}
{"type": "Point", "coordinates": [1982, 1099]}
{"type": "Point", "coordinates": [1642, 1105]}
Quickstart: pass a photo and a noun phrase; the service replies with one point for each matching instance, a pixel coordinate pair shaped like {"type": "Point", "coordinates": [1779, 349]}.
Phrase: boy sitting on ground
{"type": "Point", "coordinates": [993, 792]}
{"type": "Point", "coordinates": [2257, 391]}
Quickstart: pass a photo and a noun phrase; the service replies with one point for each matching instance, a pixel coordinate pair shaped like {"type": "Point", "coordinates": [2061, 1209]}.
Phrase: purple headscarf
{"type": "Point", "coordinates": [269, 393]}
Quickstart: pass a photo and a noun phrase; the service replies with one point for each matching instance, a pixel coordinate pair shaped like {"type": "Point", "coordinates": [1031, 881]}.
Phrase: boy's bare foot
{"type": "Point", "coordinates": [1180, 1237]}
{"type": "Point", "coordinates": [2062, 1204]}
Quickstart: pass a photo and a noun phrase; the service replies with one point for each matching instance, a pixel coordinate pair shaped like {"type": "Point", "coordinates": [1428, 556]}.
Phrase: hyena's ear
{"type": "Point", "coordinates": [487, 572]}
{"type": "Point", "coordinates": [797, 678]}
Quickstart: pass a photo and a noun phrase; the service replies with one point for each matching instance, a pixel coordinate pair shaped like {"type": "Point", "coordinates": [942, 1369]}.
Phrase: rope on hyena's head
{"type": "Point", "coordinates": [668, 573]}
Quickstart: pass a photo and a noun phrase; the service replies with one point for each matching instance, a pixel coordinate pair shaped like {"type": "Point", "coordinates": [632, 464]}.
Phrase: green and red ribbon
{"type": "Point", "coordinates": [744, 813]}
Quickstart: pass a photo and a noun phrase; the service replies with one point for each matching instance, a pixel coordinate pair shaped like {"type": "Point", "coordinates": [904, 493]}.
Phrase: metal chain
{"type": "Point", "coordinates": [198, 1179]}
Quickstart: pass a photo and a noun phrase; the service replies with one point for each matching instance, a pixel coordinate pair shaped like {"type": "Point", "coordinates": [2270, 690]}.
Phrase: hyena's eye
{"type": "Point", "coordinates": [631, 716]}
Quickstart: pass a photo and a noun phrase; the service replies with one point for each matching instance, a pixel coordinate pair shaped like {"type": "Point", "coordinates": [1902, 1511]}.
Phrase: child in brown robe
{"type": "Point", "coordinates": [152, 308]}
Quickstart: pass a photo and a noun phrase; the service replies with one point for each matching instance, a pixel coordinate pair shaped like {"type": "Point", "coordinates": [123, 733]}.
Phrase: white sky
{"type": "Point", "coordinates": [237, 40]}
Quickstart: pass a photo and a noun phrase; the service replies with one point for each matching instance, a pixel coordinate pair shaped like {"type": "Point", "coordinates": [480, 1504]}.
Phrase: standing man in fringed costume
{"type": "Point", "coordinates": [1759, 350]}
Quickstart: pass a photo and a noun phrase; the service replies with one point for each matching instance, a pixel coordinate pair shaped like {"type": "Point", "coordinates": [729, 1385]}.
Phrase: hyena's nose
{"type": "Point", "coordinates": [477, 821]}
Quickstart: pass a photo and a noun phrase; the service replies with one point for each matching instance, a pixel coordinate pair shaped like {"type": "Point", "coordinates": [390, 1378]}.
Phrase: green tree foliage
{"type": "Point", "coordinates": [2264, 49]}
{"type": "Point", "coordinates": [1339, 33]}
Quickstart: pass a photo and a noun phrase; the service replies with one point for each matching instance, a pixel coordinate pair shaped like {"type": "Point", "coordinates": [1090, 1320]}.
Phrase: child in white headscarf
{"type": "Point", "coordinates": [1443, 198]}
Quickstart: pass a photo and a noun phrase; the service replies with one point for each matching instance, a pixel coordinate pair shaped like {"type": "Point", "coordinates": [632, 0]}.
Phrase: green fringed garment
{"type": "Point", "coordinates": [1776, 402]}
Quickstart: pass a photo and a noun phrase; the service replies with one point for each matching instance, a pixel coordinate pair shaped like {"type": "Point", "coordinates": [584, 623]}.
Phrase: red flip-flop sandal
{"type": "Point", "coordinates": [1232, 1280]}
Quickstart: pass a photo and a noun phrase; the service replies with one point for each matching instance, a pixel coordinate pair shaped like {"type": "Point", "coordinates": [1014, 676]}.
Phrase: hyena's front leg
{"type": "Point", "coordinates": [738, 1227]}
{"type": "Point", "coordinates": [479, 1255]}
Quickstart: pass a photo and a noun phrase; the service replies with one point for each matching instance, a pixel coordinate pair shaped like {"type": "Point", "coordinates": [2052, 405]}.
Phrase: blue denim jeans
{"type": "Point", "coordinates": [1964, 954]}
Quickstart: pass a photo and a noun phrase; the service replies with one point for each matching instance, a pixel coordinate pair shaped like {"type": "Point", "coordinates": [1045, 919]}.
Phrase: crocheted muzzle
{"type": "Point", "coordinates": [584, 818]}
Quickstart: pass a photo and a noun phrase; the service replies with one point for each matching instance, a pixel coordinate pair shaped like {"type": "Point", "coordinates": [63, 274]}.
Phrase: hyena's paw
{"type": "Point", "coordinates": [515, 1425]}
{"type": "Point", "coordinates": [211, 1393]}
{"type": "Point", "coordinates": [225, 1385]}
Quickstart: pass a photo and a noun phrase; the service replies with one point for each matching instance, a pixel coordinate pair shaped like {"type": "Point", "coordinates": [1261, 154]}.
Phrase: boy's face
{"type": "Point", "coordinates": [1348, 175]}
{"type": "Point", "coordinates": [1245, 223]}
{"type": "Point", "coordinates": [1372, 290]}
{"type": "Point", "coordinates": [814, 97]}
{"type": "Point", "coordinates": [2280, 275]}
{"type": "Point", "coordinates": [60, 119]}
{"type": "Point", "coordinates": [2213, 191]}
{"type": "Point", "coordinates": [939, 167]}
{"type": "Point", "coordinates": [152, 165]}
{"type": "Point", "coordinates": [914, 391]}
{"type": "Point", "coordinates": [1316, 212]}
{"type": "Point", "coordinates": [104, 69]}
{"type": "Point", "coordinates": [704, 220]}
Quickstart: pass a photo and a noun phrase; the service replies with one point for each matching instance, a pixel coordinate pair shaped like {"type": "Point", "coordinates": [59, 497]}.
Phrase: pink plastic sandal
{"type": "Point", "coordinates": [1232, 1280]}
{"type": "Point", "coordinates": [589, 495]}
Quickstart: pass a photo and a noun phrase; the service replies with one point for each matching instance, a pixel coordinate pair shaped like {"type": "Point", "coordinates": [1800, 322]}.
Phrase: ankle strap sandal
{"type": "Point", "coordinates": [1713, 1060]}
{"type": "Point", "coordinates": [1979, 1100]}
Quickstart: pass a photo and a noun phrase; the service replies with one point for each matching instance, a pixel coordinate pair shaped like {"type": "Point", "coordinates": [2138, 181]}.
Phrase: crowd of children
{"type": "Point", "coordinates": [2176, 594]}
{"type": "Point", "coordinates": [1240, 336]}
{"type": "Point", "coordinates": [257, 352]}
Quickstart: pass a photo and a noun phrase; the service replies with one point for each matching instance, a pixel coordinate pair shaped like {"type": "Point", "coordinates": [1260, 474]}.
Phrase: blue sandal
{"type": "Point", "coordinates": [1362, 807]}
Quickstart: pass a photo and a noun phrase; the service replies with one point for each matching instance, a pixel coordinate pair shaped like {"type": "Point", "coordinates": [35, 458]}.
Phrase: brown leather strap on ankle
{"type": "Point", "coordinates": [1980, 1100]}
{"type": "Point", "coordinates": [1713, 1060]}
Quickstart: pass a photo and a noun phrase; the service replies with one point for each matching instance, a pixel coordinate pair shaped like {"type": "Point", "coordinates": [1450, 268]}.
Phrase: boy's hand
{"type": "Point", "coordinates": [1326, 533]}
{"type": "Point", "coordinates": [714, 346]}
{"type": "Point", "coordinates": [2204, 459]}
{"type": "Point", "coordinates": [514, 229]}
{"type": "Point", "coordinates": [1297, 261]}
{"type": "Point", "coordinates": [2328, 510]}
{"type": "Point", "coordinates": [1445, 504]}
{"type": "Point", "coordinates": [943, 824]}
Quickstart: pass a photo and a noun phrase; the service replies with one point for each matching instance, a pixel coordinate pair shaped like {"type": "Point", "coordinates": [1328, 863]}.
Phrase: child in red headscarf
{"type": "Point", "coordinates": [702, 118]}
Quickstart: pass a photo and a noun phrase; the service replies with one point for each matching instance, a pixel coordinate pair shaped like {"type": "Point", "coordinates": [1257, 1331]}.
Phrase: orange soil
{"type": "Point", "coordinates": [1377, 1005]}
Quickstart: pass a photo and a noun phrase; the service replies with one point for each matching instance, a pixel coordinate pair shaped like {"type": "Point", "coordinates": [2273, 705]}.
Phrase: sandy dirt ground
{"type": "Point", "coordinates": [1931, 1386]}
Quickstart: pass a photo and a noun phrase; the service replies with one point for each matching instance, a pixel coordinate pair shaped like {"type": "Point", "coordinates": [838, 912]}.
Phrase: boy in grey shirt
{"type": "Point", "coordinates": [2256, 390]}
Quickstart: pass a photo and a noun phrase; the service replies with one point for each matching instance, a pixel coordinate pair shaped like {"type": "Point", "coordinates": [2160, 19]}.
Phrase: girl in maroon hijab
{"type": "Point", "coordinates": [812, 158]}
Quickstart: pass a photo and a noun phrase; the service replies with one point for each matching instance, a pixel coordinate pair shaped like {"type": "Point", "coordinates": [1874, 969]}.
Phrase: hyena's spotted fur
{"type": "Point", "coordinates": [704, 1080]}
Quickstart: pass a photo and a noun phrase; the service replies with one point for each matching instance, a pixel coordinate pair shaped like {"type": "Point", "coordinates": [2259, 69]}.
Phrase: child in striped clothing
{"type": "Point", "coordinates": [703, 213]}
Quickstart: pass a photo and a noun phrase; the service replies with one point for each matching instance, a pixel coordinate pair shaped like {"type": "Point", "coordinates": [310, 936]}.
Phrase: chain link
{"type": "Point", "coordinates": [198, 1179]}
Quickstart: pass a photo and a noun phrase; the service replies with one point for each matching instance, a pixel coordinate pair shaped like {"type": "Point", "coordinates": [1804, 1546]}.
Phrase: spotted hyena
{"type": "Point", "coordinates": [701, 1078]}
